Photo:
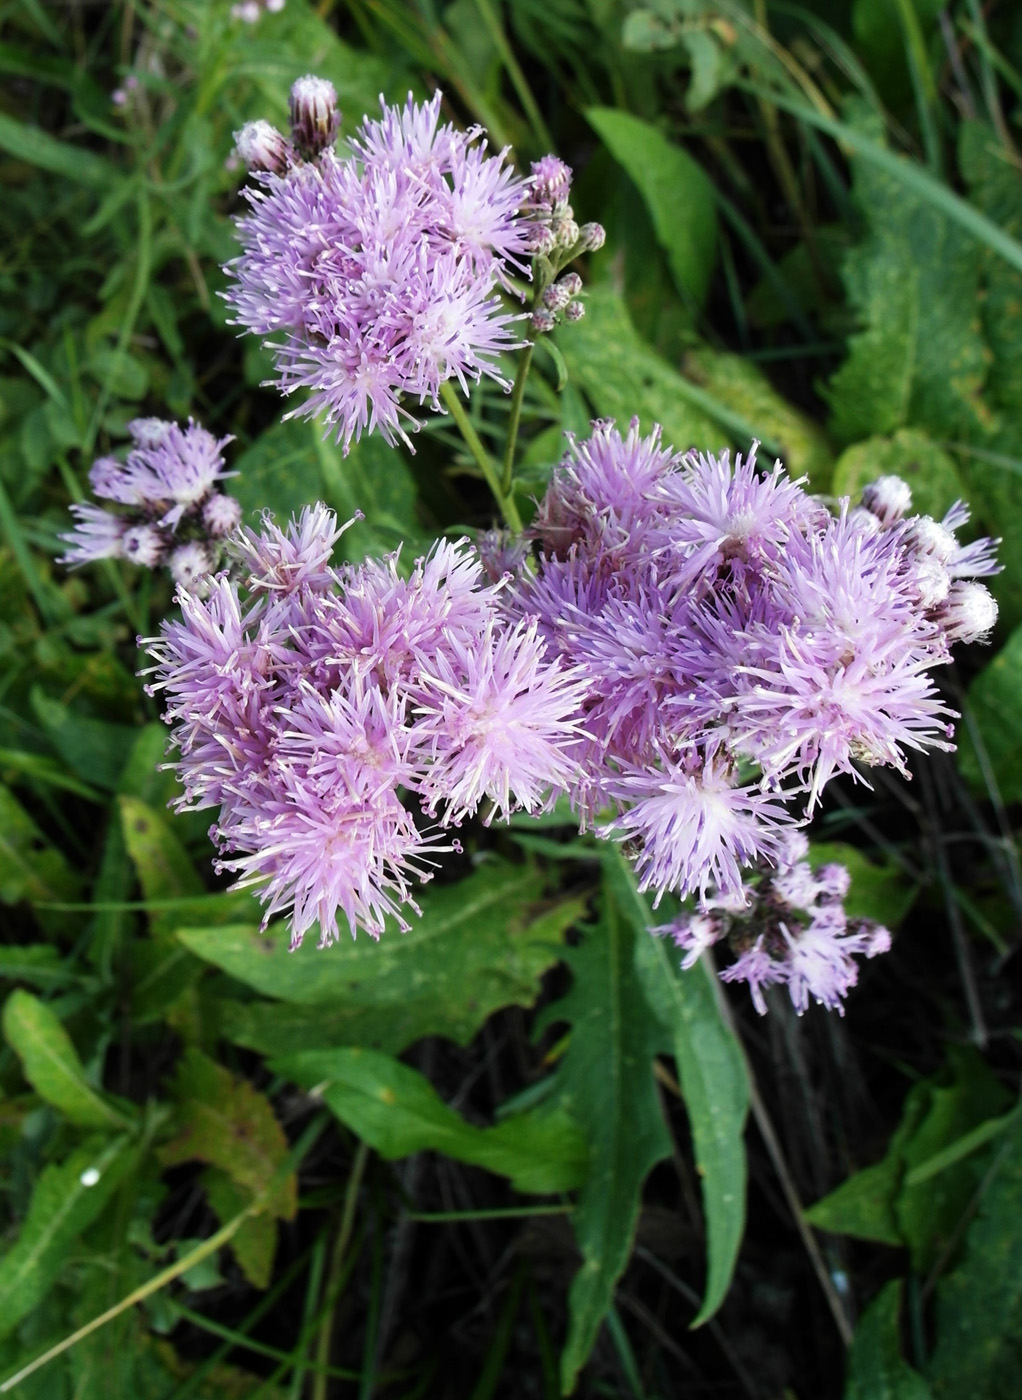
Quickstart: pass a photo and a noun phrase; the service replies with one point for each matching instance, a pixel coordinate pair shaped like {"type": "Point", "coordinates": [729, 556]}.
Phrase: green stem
{"type": "Point", "coordinates": [517, 396]}
{"type": "Point", "coordinates": [180, 1266]}
{"type": "Point", "coordinates": [336, 1275]}
{"type": "Point", "coordinates": [483, 459]}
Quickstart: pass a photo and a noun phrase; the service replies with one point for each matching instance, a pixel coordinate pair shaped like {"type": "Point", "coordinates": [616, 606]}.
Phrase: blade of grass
{"type": "Point", "coordinates": [911, 175]}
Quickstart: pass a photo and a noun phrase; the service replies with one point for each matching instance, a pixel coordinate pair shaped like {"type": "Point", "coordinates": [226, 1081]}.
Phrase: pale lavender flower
{"type": "Point", "coordinates": [168, 510]}
{"type": "Point", "coordinates": [376, 272]}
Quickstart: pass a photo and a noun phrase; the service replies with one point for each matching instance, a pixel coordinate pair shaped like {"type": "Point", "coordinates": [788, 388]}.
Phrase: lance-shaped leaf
{"type": "Point", "coordinates": [51, 1065]}
{"type": "Point", "coordinates": [67, 1198]}
{"type": "Point", "coordinates": [606, 1084]}
{"type": "Point", "coordinates": [397, 1111]}
{"type": "Point", "coordinates": [876, 1368]}
{"type": "Point", "coordinates": [713, 1077]}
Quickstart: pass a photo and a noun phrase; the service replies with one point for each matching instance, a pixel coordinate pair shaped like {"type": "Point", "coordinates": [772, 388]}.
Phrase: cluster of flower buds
{"type": "Point", "coordinates": [942, 571]}
{"type": "Point", "coordinates": [169, 511]}
{"type": "Point", "coordinates": [253, 10]}
{"type": "Point", "coordinates": [787, 926]}
{"type": "Point", "coordinates": [555, 240]}
{"type": "Point", "coordinates": [315, 122]}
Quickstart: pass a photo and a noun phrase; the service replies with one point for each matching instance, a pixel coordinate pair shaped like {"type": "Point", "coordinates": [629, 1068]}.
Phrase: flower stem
{"type": "Point", "coordinates": [517, 396]}
{"type": "Point", "coordinates": [483, 459]}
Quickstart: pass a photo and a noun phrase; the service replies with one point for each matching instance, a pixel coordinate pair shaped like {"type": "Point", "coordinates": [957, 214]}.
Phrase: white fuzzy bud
{"type": "Point", "coordinates": [143, 545]}
{"type": "Point", "coordinates": [969, 613]}
{"type": "Point", "coordinates": [190, 566]}
{"type": "Point", "coordinates": [566, 233]}
{"type": "Point", "coordinates": [260, 146]}
{"type": "Point", "coordinates": [542, 321]}
{"type": "Point", "coordinates": [574, 311]}
{"type": "Point", "coordinates": [889, 498]}
{"type": "Point", "coordinates": [932, 581]}
{"type": "Point", "coordinates": [928, 537]}
{"type": "Point", "coordinates": [556, 296]}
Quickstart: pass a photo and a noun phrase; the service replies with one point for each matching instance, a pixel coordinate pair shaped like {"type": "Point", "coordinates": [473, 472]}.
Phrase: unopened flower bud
{"type": "Point", "coordinates": [260, 146]}
{"type": "Point", "coordinates": [542, 320]}
{"type": "Point", "coordinates": [541, 239]}
{"type": "Point", "coordinates": [314, 115]}
{"type": "Point", "coordinates": [931, 580]}
{"type": "Point", "coordinates": [572, 283]}
{"type": "Point", "coordinates": [566, 233]}
{"type": "Point", "coordinates": [969, 613]}
{"type": "Point", "coordinates": [143, 545]}
{"type": "Point", "coordinates": [149, 432]}
{"type": "Point", "coordinates": [551, 181]}
{"type": "Point", "coordinates": [889, 498]}
{"type": "Point", "coordinates": [574, 311]}
{"type": "Point", "coordinates": [191, 565]}
{"type": "Point", "coordinates": [221, 514]}
{"type": "Point", "coordinates": [556, 296]}
{"type": "Point", "coordinates": [591, 237]}
{"type": "Point", "coordinates": [927, 537]}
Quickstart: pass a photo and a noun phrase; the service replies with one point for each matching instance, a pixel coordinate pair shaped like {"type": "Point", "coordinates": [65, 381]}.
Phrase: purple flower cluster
{"type": "Point", "coordinates": [168, 509]}
{"type": "Point", "coordinates": [742, 645]}
{"type": "Point", "coordinates": [787, 926]}
{"type": "Point", "coordinates": [374, 272]}
{"type": "Point", "coordinates": [311, 704]}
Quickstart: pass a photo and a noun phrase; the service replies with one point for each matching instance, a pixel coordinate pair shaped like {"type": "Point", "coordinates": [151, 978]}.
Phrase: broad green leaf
{"type": "Point", "coordinates": [622, 376]}
{"type": "Point", "coordinates": [676, 190]}
{"type": "Point", "coordinates": [481, 944]}
{"type": "Point", "coordinates": [67, 1198]}
{"type": "Point", "coordinates": [876, 1368]}
{"type": "Point", "coordinates": [744, 389]}
{"type": "Point", "coordinates": [863, 1206]}
{"type": "Point", "coordinates": [255, 1241]}
{"type": "Point", "coordinates": [221, 1119]}
{"type": "Point", "coordinates": [935, 480]}
{"type": "Point", "coordinates": [397, 1111]}
{"type": "Point", "coordinates": [279, 472]}
{"type": "Point", "coordinates": [979, 1304]}
{"type": "Point", "coordinates": [880, 892]}
{"type": "Point", "coordinates": [714, 1084]}
{"type": "Point", "coordinates": [913, 283]}
{"type": "Point", "coordinates": [376, 480]}
{"type": "Point", "coordinates": [36, 147]}
{"type": "Point", "coordinates": [95, 749]}
{"type": "Point", "coordinates": [606, 1083]}
{"type": "Point", "coordinates": [51, 1065]}
{"type": "Point", "coordinates": [30, 868]}
{"type": "Point", "coordinates": [995, 702]}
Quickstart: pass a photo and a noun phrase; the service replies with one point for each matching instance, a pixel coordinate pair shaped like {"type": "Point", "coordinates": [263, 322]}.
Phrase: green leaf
{"type": "Point", "coordinates": [376, 480]}
{"type": "Point", "coordinates": [676, 190]}
{"type": "Point", "coordinates": [606, 1083]}
{"type": "Point", "coordinates": [876, 1368]}
{"type": "Point", "coordinates": [979, 1305]}
{"type": "Point", "coordinates": [51, 1065]}
{"type": "Point", "coordinates": [38, 963]}
{"type": "Point", "coordinates": [745, 391]}
{"type": "Point", "coordinates": [221, 1119]}
{"type": "Point", "coordinates": [913, 283]}
{"type": "Point", "coordinates": [397, 1111]}
{"type": "Point", "coordinates": [995, 702]}
{"type": "Point", "coordinates": [481, 944]}
{"type": "Point", "coordinates": [622, 376]}
{"type": "Point", "coordinates": [935, 480]}
{"type": "Point", "coordinates": [279, 472]}
{"type": "Point", "coordinates": [163, 866]}
{"type": "Point", "coordinates": [95, 749]}
{"type": "Point", "coordinates": [255, 1241]}
{"type": "Point", "coordinates": [67, 1198]}
{"type": "Point", "coordinates": [880, 892]}
{"type": "Point", "coordinates": [36, 147]}
{"type": "Point", "coordinates": [714, 1084]}
{"type": "Point", "coordinates": [30, 868]}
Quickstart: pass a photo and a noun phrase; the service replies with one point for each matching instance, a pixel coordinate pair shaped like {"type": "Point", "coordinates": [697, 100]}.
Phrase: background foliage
{"type": "Point", "coordinates": [507, 1153]}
